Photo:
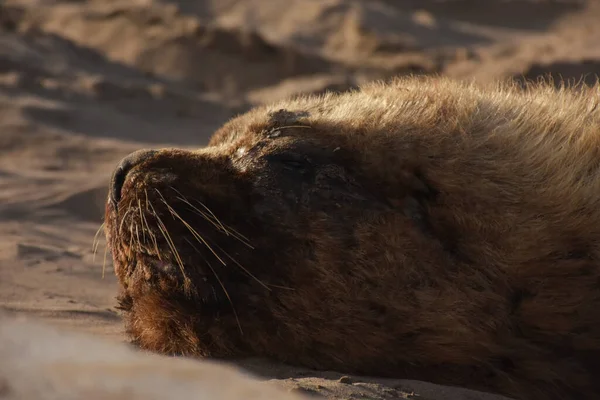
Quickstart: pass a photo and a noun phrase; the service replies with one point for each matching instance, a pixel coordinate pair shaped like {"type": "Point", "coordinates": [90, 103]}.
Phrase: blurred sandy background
{"type": "Point", "coordinates": [82, 83]}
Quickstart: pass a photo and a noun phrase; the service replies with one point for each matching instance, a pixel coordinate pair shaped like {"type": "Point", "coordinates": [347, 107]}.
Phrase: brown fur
{"type": "Point", "coordinates": [421, 229]}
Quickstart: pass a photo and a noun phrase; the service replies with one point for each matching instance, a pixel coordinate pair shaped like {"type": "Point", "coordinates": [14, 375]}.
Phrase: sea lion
{"type": "Point", "coordinates": [421, 228]}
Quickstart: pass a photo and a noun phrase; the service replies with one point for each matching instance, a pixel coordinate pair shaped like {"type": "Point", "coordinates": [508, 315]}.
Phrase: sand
{"type": "Point", "coordinates": [82, 83]}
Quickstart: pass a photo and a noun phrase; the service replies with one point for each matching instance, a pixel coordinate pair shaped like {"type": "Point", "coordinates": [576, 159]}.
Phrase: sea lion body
{"type": "Point", "coordinates": [422, 229]}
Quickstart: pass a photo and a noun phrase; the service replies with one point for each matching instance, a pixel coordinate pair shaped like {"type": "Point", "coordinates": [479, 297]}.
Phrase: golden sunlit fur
{"type": "Point", "coordinates": [419, 229]}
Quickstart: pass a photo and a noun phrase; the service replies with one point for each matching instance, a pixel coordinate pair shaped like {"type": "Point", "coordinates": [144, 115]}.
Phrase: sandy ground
{"type": "Point", "coordinates": [82, 83]}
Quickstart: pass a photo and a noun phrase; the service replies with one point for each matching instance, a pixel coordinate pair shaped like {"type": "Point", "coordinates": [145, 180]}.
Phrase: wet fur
{"type": "Point", "coordinates": [428, 229]}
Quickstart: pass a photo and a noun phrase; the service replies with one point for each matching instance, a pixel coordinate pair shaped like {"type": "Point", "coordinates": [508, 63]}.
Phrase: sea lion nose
{"type": "Point", "coordinates": [120, 173]}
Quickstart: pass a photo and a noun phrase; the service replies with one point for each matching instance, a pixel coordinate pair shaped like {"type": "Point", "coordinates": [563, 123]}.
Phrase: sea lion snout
{"type": "Point", "coordinates": [120, 173]}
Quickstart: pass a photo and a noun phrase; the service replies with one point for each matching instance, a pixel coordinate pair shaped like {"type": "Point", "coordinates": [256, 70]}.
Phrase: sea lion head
{"type": "Point", "coordinates": [212, 246]}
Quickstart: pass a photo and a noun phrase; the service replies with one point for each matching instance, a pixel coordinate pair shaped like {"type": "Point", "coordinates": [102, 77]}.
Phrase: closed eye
{"type": "Point", "coordinates": [290, 160]}
{"type": "Point", "coordinates": [294, 164]}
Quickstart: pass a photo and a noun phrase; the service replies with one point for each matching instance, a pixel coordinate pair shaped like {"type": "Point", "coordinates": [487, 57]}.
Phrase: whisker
{"type": "Point", "coordinates": [104, 262]}
{"type": "Point", "coordinates": [212, 218]}
{"type": "Point", "coordinates": [164, 231]}
{"type": "Point", "coordinates": [205, 216]}
{"type": "Point", "coordinates": [184, 199]}
{"type": "Point", "coordinates": [242, 267]}
{"type": "Point", "coordinates": [228, 297]}
{"type": "Point", "coordinates": [281, 287]}
{"type": "Point", "coordinates": [167, 236]}
{"type": "Point", "coordinates": [222, 286]}
{"type": "Point", "coordinates": [241, 238]}
{"type": "Point", "coordinates": [152, 235]}
{"type": "Point", "coordinates": [268, 286]}
{"type": "Point", "coordinates": [231, 232]}
{"type": "Point", "coordinates": [131, 235]}
{"type": "Point", "coordinates": [212, 214]}
{"type": "Point", "coordinates": [123, 218]}
{"type": "Point", "coordinates": [141, 219]}
{"type": "Point", "coordinates": [96, 242]}
{"type": "Point", "coordinates": [192, 230]}
{"type": "Point", "coordinates": [207, 209]}
{"type": "Point", "coordinates": [137, 234]}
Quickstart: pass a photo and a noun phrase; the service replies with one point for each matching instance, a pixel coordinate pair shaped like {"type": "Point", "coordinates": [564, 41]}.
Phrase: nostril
{"type": "Point", "coordinates": [117, 182]}
{"type": "Point", "coordinates": [120, 174]}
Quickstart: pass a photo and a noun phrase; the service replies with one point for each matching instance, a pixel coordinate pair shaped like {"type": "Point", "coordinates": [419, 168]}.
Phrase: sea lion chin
{"type": "Point", "coordinates": [422, 229]}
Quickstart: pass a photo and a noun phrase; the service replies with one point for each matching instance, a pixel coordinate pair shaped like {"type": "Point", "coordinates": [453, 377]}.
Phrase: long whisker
{"type": "Point", "coordinates": [212, 218]}
{"type": "Point", "coordinates": [191, 229]}
{"type": "Point", "coordinates": [213, 215]}
{"type": "Point", "coordinates": [137, 234]}
{"type": "Point", "coordinates": [167, 236]}
{"type": "Point", "coordinates": [201, 239]}
{"type": "Point", "coordinates": [206, 208]}
{"type": "Point", "coordinates": [243, 239]}
{"type": "Point", "coordinates": [242, 267]}
{"type": "Point", "coordinates": [96, 242]}
{"type": "Point", "coordinates": [268, 286]}
{"type": "Point", "coordinates": [123, 218]}
{"type": "Point", "coordinates": [169, 240]}
{"type": "Point", "coordinates": [104, 261]}
{"type": "Point", "coordinates": [280, 287]}
{"type": "Point", "coordinates": [152, 236]}
{"type": "Point", "coordinates": [222, 286]}
{"type": "Point", "coordinates": [131, 235]}
{"type": "Point", "coordinates": [142, 219]}
{"type": "Point", "coordinates": [219, 226]}
{"type": "Point", "coordinates": [230, 231]}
